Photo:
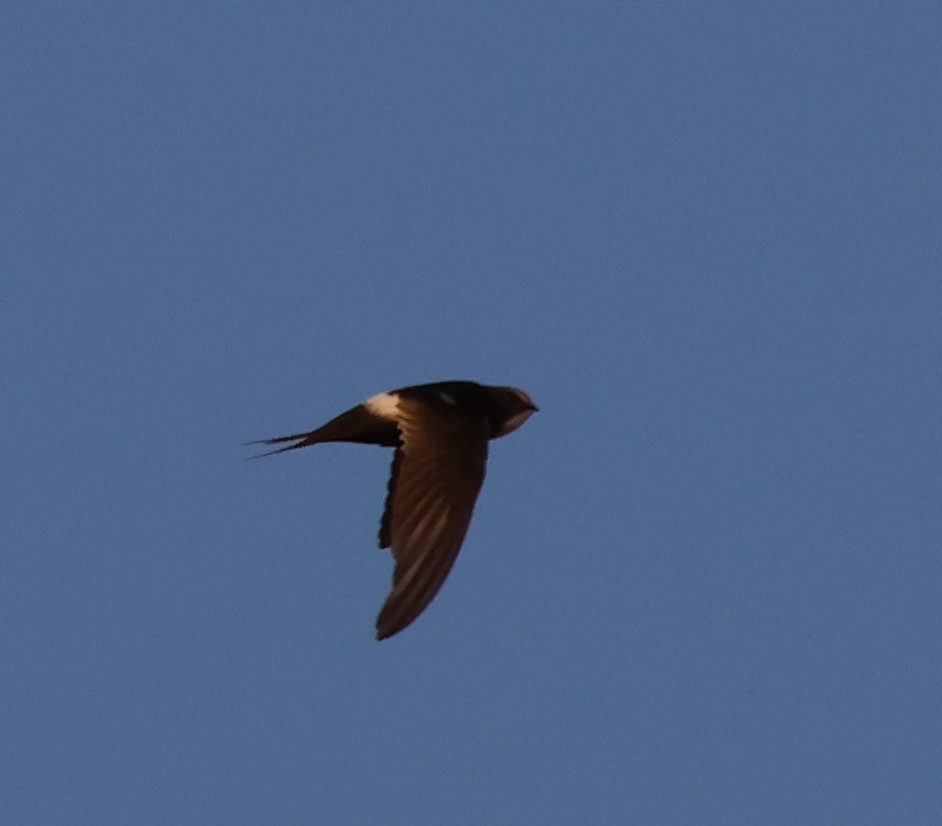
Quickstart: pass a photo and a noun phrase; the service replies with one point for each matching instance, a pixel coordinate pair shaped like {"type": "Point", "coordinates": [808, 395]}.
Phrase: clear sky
{"type": "Point", "coordinates": [702, 585]}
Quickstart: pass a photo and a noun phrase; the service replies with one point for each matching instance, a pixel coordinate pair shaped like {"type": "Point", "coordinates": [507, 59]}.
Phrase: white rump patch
{"type": "Point", "coordinates": [385, 405]}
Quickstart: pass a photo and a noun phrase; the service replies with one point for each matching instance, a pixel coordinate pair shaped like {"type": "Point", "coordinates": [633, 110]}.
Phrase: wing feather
{"type": "Point", "coordinates": [437, 472]}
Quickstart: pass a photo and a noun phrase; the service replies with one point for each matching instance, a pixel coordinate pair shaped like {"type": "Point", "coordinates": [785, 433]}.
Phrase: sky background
{"type": "Point", "coordinates": [702, 585]}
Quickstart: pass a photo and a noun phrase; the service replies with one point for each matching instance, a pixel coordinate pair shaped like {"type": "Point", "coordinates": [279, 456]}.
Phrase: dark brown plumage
{"type": "Point", "coordinates": [440, 432]}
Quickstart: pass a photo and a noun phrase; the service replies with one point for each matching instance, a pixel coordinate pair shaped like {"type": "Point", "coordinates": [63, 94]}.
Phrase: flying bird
{"type": "Point", "coordinates": [440, 433]}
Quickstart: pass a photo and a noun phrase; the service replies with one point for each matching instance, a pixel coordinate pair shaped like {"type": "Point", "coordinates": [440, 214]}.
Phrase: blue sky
{"type": "Point", "coordinates": [702, 584]}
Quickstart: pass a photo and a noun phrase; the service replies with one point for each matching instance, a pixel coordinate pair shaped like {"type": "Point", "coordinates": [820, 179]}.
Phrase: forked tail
{"type": "Point", "coordinates": [300, 439]}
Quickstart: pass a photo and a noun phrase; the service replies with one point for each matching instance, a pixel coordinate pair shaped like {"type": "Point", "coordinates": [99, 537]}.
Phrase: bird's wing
{"type": "Point", "coordinates": [437, 472]}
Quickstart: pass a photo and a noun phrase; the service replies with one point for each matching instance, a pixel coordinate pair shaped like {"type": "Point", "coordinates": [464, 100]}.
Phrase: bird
{"type": "Point", "coordinates": [440, 432]}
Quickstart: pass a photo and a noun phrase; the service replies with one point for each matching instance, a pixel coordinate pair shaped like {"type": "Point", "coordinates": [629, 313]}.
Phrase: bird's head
{"type": "Point", "coordinates": [509, 408]}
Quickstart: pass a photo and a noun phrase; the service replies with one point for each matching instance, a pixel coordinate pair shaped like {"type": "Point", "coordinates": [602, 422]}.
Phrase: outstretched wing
{"type": "Point", "coordinates": [437, 472]}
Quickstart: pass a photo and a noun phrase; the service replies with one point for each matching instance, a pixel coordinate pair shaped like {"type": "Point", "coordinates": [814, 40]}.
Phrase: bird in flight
{"type": "Point", "coordinates": [440, 433]}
